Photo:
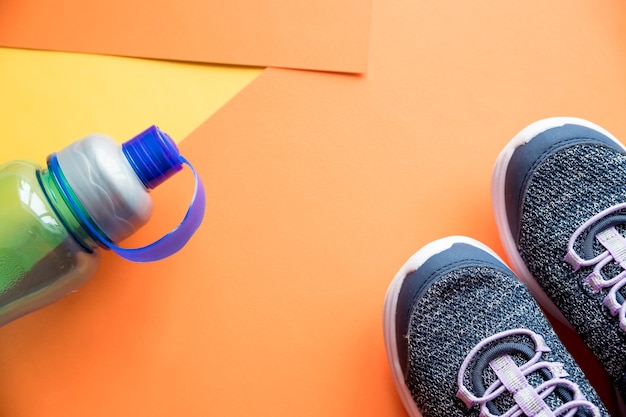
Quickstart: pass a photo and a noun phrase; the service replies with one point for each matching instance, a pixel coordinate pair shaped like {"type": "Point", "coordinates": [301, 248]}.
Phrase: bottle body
{"type": "Point", "coordinates": [42, 258]}
{"type": "Point", "coordinates": [92, 194]}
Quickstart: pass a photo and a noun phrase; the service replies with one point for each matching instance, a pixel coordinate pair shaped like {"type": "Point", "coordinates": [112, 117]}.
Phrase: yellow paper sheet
{"type": "Point", "coordinates": [50, 99]}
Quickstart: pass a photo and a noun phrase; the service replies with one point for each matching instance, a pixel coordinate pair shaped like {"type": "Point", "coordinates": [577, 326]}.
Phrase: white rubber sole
{"type": "Point", "coordinates": [499, 205]}
{"type": "Point", "coordinates": [391, 304]}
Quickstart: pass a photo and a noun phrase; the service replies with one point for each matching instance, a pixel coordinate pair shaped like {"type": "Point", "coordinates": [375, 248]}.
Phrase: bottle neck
{"type": "Point", "coordinates": [58, 198]}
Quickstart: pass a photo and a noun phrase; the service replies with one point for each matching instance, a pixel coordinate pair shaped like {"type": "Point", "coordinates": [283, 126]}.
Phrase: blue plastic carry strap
{"type": "Point", "coordinates": [155, 157]}
{"type": "Point", "coordinates": [177, 238]}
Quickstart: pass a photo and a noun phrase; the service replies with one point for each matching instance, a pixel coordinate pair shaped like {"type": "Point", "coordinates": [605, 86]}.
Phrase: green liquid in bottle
{"type": "Point", "coordinates": [40, 258]}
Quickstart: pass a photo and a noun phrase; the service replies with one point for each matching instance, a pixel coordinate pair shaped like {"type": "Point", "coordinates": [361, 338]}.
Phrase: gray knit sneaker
{"type": "Point", "coordinates": [559, 195]}
{"type": "Point", "coordinates": [465, 338]}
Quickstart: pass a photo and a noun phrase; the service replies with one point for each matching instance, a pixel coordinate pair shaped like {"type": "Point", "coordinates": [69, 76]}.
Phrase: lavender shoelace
{"type": "Point", "coordinates": [602, 227]}
{"type": "Point", "coordinates": [512, 380]}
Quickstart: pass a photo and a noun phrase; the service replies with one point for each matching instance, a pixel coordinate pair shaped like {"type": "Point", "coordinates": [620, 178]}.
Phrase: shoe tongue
{"type": "Point", "coordinates": [590, 245]}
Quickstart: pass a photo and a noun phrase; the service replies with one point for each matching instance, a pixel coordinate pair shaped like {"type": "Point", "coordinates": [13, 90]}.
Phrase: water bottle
{"type": "Point", "coordinates": [91, 195]}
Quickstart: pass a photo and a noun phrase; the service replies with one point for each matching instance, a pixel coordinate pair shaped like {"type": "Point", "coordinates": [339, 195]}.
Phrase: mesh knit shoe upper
{"type": "Point", "coordinates": [465, 338]}
{"type": "Point", "coordinates": [559, 190]}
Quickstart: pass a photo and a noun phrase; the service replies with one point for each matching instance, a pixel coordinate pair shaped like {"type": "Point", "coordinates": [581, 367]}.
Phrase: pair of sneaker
{"type": "Point", "coordinates": [463, 333]}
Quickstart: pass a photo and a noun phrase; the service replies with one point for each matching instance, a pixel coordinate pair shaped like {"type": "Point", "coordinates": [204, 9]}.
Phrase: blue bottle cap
{"type": "Point", "coordinates": [153, 156]}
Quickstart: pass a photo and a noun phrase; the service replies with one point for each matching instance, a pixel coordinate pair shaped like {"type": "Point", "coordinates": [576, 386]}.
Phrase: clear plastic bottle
{"type": "Point", "coordinates": [91, 195]}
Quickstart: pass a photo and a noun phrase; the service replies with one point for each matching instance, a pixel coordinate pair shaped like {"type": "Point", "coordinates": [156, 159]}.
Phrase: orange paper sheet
{"type": "Point", "coordinates": [319, 35]}
{"type": "Point", "coordinates": [320, 186]}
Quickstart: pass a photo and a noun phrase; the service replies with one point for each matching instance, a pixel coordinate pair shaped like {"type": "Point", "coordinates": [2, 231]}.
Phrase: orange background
{"type": "Point", "coordinates": [320, 186]}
